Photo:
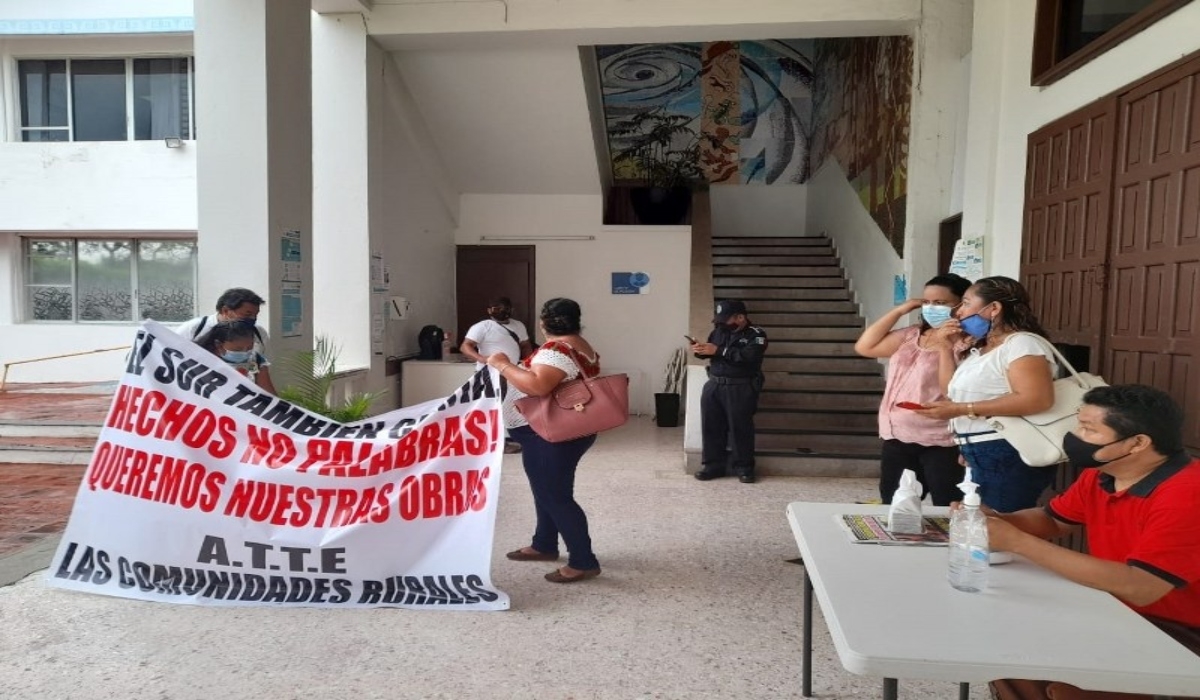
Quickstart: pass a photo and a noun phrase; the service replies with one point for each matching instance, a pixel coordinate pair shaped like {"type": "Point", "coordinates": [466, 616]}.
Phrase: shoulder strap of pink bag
{"type": "Point", "coordinates": [589, 368]}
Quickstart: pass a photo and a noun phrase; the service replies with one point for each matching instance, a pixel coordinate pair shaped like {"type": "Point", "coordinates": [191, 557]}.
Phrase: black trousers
{"type": "Point", "coordinates": [727, 409]}
{"type": "Point", "coordinates": [937, 469]}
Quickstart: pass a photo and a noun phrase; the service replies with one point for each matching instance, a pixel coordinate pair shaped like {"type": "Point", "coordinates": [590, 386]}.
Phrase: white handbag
{"type": "Point", "coordinates": [1038, 437]}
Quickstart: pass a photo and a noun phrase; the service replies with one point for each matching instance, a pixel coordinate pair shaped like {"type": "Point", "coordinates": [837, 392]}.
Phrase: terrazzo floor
{"type": "Point", "coordinates": [697, 600]}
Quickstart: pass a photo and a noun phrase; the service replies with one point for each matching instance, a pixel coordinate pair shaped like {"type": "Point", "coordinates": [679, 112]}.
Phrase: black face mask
{"type": "Point", "coordinates": [727, 325]}
{"type": "Point", "coordinates": [1082, 453]}
{"type": "Point", "coordinates": [502, 315]}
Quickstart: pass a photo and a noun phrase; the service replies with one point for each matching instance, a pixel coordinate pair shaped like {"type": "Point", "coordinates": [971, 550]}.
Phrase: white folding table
{"type": "Point", "coordinates": [893, 615]}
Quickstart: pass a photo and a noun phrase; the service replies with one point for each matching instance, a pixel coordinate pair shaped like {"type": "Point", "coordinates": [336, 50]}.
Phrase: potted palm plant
{"type": "Point", "coordinates": [313, 373]}
{"type": "Point", "coordinates": [666, 402]}
{"type": "Point", "coordinates": [661, 151]}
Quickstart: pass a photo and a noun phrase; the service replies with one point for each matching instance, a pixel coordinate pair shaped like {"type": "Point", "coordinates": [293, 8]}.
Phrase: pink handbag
{"type": "Point", "coordinates": [577, 408]}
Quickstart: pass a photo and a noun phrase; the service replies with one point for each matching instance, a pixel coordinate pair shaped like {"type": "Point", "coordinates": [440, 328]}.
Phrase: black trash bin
{"type": "Point", "coordinates": [666, 410]}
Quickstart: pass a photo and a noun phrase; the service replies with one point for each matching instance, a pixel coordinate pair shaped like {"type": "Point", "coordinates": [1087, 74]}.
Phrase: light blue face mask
{"type": "Point", "coordinates": [237, 357]}
{"type": "Point", "coordinates": [935, 314]}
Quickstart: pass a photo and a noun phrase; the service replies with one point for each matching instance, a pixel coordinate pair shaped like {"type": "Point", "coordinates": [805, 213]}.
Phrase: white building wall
{"type": "Point", "coordinates": [76, 189]}
{"type": "Point", "coordinates": [412, 215]}
{"type": "Point", "coordinates": [1005, 109]}
{"type": "Point", "coordinates": [79, 16]}
{"type": "Point", "coordinates": [758, 210]}
{"type": "Point", "coordinates": [635, 334]}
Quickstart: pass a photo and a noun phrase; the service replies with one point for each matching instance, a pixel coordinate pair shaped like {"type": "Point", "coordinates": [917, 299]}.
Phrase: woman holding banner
{"type": "Point", "coordinates": [233, 341]}
{"type": "Point", "coordinates": [550, 466]}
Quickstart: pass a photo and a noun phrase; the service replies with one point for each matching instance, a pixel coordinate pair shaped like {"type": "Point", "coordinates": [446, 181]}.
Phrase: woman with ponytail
{"type": "Point", "coordinates": [1008, 370]}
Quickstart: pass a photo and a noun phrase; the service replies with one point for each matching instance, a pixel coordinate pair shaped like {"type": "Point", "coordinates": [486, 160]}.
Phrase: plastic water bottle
{"type": "Point", "coordinates": [968, 542]}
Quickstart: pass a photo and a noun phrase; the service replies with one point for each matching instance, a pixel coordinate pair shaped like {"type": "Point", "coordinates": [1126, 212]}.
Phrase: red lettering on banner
{"type": "Point", "coordinates": [434, 495]}
{"type": "Point", "coordinates": [154, 477]}
{"type": "Point", "coordinates": [344, 512]}
{"type": "Point", "coordinates": [452, 439]}
{"type": "Point", "coordinates": [227, 430]}
{"type": "Point", "coordinates": [430, 441]}
{"type": "Point", "coordinates": [285, 504]}
{"type": "Point", "coordinates": [453, 493]}
{"type": "Point", "coordinates": [476, 425]}
{"type": "Point", "coordinates": [477, 488]}
{"type": "Point", "coordinates": [318, 451]}
{"type": "Point", "coordinates": [382, 500]}
{"type": "Point", "coordinates": [172, 420]}
{"type": "Point", "coordinates": [277, 448]}
{"type": "Point", "coordinates": [431, 492]}
{"type": "Point", "coordinates": [474, 434]}
{"type": "Point", "coordinates": [153, 401]}
{"type": "Point", "coordinates": [144, 413]}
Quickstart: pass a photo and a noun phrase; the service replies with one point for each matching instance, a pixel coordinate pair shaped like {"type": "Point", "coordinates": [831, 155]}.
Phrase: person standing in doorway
{"type": "Point", "coordinates": [498, 333]}
{"type": "Point", "coordinates": [735, 352]}
{"type": "Point", "coordinates": [235, 305]}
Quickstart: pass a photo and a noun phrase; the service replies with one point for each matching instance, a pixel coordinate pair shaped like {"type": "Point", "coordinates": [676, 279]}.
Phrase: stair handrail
{"type": "Point", "coordinates": [4, 374]}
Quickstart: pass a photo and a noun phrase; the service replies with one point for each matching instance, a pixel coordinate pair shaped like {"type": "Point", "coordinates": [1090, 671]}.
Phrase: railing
{"type": "Point", "coordinates": [4, 374]}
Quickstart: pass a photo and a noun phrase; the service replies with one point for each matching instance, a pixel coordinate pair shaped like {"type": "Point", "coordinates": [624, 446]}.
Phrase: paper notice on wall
{"type": "Point", "coordinates": [292, 306]}
{"type": "Point", "coordinates": [291, 257]}
{"type": "Point", "coordinates": [378, 325]}
{"type": "Point", "coordinates": [968, 258]}
{"type": "Point", "coordinates": [379, 281]}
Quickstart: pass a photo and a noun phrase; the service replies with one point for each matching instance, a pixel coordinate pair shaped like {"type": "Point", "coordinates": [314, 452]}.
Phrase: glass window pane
{"type": "Point", "coordinates": [166, 280]}
{"type": "Point", "coordinates": [32, 135]}
{"type": "Point", "coordinates": [105, 281]}
{"type": "Point", "coordinates": [160, 100]}
{"type": "Point", "coordinates": [98, 90]}
{"type": "Point", "coordinates": [43, 88]}
{"type": "Point", "coordinates": [48, 303]}
{"type": "Point", "coordinates": [49, 262]}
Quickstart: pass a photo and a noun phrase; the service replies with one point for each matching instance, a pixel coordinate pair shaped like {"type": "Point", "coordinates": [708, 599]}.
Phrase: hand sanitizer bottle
{"type": "Point", "coordinates": [968, 541]}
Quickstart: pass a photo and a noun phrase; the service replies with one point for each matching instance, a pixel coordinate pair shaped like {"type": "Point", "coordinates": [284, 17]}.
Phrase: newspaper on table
{"type": "Point", "coordinates": [872, 529]}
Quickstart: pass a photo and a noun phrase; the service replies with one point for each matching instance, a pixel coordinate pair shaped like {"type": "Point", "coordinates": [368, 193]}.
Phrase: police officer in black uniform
{"type": "Point", "coordinates": [735, 350]}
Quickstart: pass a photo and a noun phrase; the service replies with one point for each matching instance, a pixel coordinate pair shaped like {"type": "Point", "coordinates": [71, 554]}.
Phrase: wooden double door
{"type": "Point", "coordinates": [1111, 239]}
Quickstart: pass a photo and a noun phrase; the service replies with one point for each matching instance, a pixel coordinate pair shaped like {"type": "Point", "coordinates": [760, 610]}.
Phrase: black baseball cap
{"type": "Point", "coordinates": [728, 308]}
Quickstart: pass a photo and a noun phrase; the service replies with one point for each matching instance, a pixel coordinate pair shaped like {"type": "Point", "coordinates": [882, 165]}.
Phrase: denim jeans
{"type": "Point", "coordinates": [1005, 482]}
{"type": "Point", "coordinates": [550, 467]}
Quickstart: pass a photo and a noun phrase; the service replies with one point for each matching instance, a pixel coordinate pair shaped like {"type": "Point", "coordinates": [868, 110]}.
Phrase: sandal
{"type": "Point", "coordinates": [531, 554]}
{"type": "Point", "coordinates": [557, 576]}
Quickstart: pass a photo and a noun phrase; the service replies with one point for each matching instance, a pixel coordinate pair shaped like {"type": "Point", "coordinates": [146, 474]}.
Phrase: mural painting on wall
{"type": "Point", "coordinates": [741, 109]}
{"type": "Point", "coordinates": [861, 106]}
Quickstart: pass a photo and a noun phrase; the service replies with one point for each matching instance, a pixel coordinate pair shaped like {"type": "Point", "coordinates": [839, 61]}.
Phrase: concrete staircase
{"type": "Point", "coordinates": [51, 424]}
{"type": "Point", "coordinates": [27, 443]}
{"type": "Point", "coordinates": [817, 413]}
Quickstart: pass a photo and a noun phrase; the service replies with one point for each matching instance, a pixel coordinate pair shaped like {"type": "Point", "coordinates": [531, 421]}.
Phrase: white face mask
{"type": "Point", "coordinates": [236, 357]}
{"type": "Point", "coordinates": [936, 314]}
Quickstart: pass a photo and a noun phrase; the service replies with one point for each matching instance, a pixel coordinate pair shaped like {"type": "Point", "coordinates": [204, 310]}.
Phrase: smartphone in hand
{"type": "Point", "coordinates": [910, 405]}
{"type": "Point", "coordinates": [691, 340]}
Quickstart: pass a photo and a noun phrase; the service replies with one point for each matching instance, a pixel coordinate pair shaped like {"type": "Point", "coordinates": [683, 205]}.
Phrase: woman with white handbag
{"type": "Point", "coordinates": [1008, 371]}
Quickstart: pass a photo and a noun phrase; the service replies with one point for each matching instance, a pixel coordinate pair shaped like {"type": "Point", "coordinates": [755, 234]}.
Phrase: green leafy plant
{"type": "Point", "coordinates": [661, 149]}
{"type": "Point", "coordinates": [313, 373]}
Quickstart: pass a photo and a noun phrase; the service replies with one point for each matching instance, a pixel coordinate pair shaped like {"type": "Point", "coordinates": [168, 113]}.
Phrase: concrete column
{"type": "Point", "coordinates": [254, 158]}
{"type": "Point", "coordinates": [941, 41]}
{"type": "Point", "coordinates": [341, 223]}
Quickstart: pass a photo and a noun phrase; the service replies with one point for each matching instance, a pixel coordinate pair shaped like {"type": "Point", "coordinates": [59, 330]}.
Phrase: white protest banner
{"type": "Point", "coordinates": [203, 489]}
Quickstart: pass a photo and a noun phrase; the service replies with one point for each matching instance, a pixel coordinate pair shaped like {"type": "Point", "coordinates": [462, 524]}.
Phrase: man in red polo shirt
{"type": "Point", "coordinates": [1138, 498]}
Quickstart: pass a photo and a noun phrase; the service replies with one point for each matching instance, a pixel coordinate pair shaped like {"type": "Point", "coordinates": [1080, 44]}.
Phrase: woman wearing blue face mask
{"type": "Point", "coordinates": [233, 342]}
{"type": "Point", "coordinates": [912, 441]}
{"type": "Point", "coordinates": [1007, 371]}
